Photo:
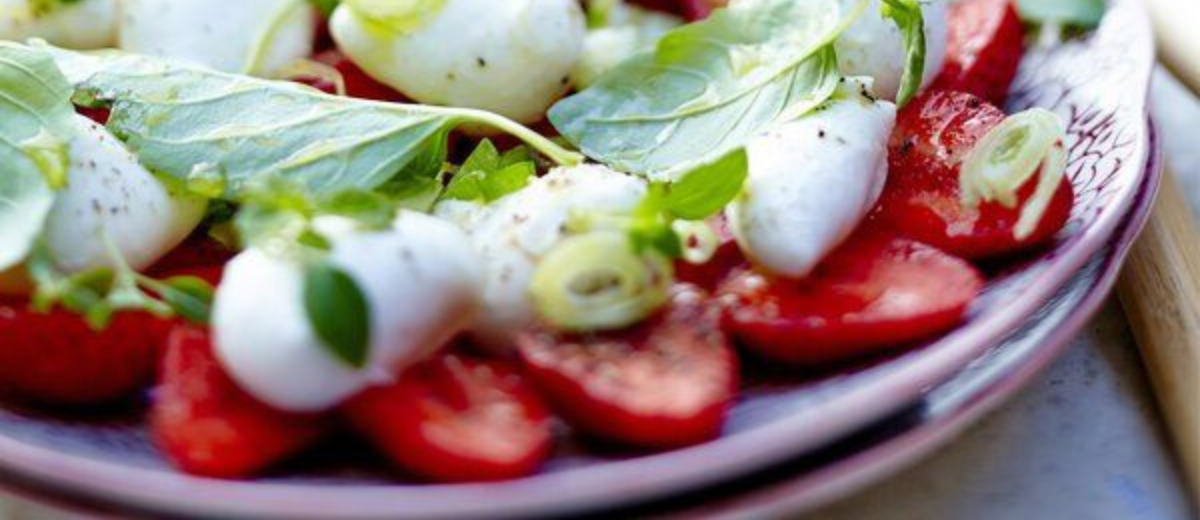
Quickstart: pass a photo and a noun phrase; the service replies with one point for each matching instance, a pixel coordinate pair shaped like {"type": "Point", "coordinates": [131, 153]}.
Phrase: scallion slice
{"type": "Point", "coordinates": [596, 282]}
{"type": "Point", "coordinates": [1008, 157]}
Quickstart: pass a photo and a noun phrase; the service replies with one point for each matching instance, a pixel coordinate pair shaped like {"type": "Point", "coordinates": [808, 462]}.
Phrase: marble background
{"type": "Point", "coordinates": [1084, 442]}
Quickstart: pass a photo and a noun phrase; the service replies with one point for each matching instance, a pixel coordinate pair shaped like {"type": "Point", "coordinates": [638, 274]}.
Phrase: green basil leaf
{"type": "Point", "coordinates": [36, 123]}
{"type": "Point", "coordinates": [1079, 13]}
{"type": "Point", "coordinates": [190, 297]}
{"type": "Point", "coordinates": [370, 209]}
{"type": "Point", "coordinates": [706, 190]}
{"type": "Point", "coordinates": [487, 176]}
{"type": "Point", "coordinates": [908, 17]}
{"type": "Point", "coordinates": [709, 87]}
{"type": "Point", "coordinates": [338, 312]}
{"type": "Point", "coordinates": [181, 119]}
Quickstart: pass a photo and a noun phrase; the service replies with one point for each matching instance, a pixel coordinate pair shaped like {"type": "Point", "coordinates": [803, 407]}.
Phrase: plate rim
{"type": "Point", "coordinates": [106, 484]}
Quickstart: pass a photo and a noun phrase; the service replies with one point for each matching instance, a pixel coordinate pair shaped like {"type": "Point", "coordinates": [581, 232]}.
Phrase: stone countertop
{"type": "Point", "coordinates": [1085, 441]}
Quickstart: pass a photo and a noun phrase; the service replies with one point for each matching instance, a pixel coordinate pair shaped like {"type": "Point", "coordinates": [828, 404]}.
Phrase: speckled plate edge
{"type": "Point", "coordinates": [112, 485]}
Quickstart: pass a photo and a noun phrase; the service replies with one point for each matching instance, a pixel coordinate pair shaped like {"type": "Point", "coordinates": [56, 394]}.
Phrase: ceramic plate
{"type": "Point", "coordinates": [1099, 85]}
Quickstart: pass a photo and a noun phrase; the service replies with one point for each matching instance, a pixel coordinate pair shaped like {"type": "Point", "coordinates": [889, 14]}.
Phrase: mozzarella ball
{"type": "Point", "coordinates": [420, 280]}
{"type": "Point", "coordinates": [85, 24]}
{"type": "Point", "coordinates": [513, 235]}
{"type": "Point", "coordinates": [812, 181]}
{"type": "Point", "coordinates": [109, 196]}
{"type": "Point", "coordinates": [221, 34]}
{"type": "Point", "coordinates": [874, 47]}
{"type": "Point", "coordinates": [512, 57]}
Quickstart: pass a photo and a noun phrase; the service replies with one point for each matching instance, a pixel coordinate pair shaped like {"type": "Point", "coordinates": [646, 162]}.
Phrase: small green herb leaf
{"type": "Point", "coordinates": [908, 17]}
{"type": "Point", "coordinates": [487, 176]}
{"type": "Point", "coordinates": [326, 7]}
{"type": "Point", "coordinates": [190, 297]}
{"type": "Point", "coordinates": [338, 312]}
{"type": "Point", "coordinates": [706, 190]}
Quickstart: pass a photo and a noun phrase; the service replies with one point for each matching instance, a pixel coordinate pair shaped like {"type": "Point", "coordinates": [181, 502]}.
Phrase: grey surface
{"type": "Point", "coordinates": [1084, 442]}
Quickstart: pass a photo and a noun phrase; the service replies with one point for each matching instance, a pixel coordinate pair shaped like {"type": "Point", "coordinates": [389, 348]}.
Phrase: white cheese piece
{"type": "Point", "coordinates": [221, 34]}
{"type": "Point", "coordinates": [812, 181]}
{"type": "Point", "coordinates": [110, 196]}
{"type": "Point", "coordinates": [516, 232]}
{"type": "Point", "coordinates": [86, 24]}
{"type": "Point", "coordinates": [512, 57]}
{"type": "Point", "coordinates": [420, 280]}
{"type": "Point", "coordinates": [874, 47]}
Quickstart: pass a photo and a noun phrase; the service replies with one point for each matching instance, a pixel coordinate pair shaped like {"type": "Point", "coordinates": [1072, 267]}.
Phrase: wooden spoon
{"type": "Point", "coordinates": [1160, 288]}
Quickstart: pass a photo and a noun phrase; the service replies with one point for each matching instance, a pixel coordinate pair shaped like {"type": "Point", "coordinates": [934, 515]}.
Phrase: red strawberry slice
{"type": "Point", "coordinates": [665, 383]}
{"type": "Point", "coordinates": [984, 50]}
{"type": "Point", "coordinates": [208, 426]}
{"type": "Point", "coordinates": [57, 359]}
{"type": "Point", "coordinates": [933, 135]}
{"type": "Point", "coordinates": [873, 293]}
{"type": "Point", "coordinates": [690, 10]}
{"type": "Point", "coordinates": [456, 419]}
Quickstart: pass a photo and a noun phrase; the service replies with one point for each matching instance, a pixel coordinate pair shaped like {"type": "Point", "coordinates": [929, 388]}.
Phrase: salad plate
{"type": "Point", "coordinates": [1097, 84]}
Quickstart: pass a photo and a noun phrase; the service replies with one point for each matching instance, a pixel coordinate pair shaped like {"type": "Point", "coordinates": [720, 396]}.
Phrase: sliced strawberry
{"type": "Point", "coordinates": [208, 426]}
{"type": "Point", "coordinates": [455, 419]}
{"type": "Point", "coordinates": [873, 293]}
{"type": "Point", "coordinates": [358, 83]}
{"type": "Point", "coordinates": [57, 359]}
{"type": "Point", "coordinates": [984, 50]}
{"type": "Point", "coordinates": [933, 135]}
{"type": "Point", "coordinates": [665, 383]}
{"type": "Point", "coordinates": [690, 10]}
{"type": "Point", "coordinates": [99, 115]}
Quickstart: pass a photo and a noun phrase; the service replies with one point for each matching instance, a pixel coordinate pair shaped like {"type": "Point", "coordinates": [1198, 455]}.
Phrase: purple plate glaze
{"type": "Point", "coordinates": [1099, 85]}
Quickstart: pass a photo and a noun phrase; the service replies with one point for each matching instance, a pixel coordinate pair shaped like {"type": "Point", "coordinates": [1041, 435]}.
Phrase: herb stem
{"type": "Point", "coordinates": [539, 142]}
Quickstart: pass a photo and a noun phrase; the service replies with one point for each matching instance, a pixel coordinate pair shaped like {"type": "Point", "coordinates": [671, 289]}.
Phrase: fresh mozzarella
{"type": "Point", "coordinates": [873, 47]}
{"type": "Point", "coordinates": [515, 233]}
{"type": "Point", "coordinates": [420, 280]}
{"type": "Point", "coordinates": [512, 57]}
{"type": "Point", "coordinates": [85, 24]}
{"type": "Point", "coordinates": [111, 199]}
{"type": "Point", "coordinates": [222, 34]}
{"type": "Point", "coordinates": [812, 181]}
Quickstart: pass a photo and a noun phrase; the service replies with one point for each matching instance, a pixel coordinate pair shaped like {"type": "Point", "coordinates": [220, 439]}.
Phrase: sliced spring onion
{"type": "Point", "coordinates": [699, 240]}
{"type": "Point", "coordinates": [596, 282]}
{"type": "Point", "coordinates": [1008, 157]}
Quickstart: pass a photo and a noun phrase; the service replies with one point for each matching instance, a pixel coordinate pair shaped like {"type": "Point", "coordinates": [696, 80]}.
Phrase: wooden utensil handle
{"type": "Point", "coordinates": [1160, 290]}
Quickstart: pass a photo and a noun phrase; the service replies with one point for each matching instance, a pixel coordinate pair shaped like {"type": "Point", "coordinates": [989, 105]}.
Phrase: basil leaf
{"type": "Point", "coordinates": [709, 87]}
{"type": "Point", "coordinates": [487, 176]}
{"type": "Point", "coordinates": [338, 312]}
{"type": "Point", "coordinates": [1079, 13]}
{"type": "Point", "coordinates": [181, 120]}
{"type": "Point", "coordinates": [189, 297]}
{"type": "Point", "coordinates": [371, 210]}
{"type": "Point", "coordinates": [706, 190]}
{"type": "Point", "coordinates": [36, 123]}
{"type": "Point", "coordinates": [908, 17]}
